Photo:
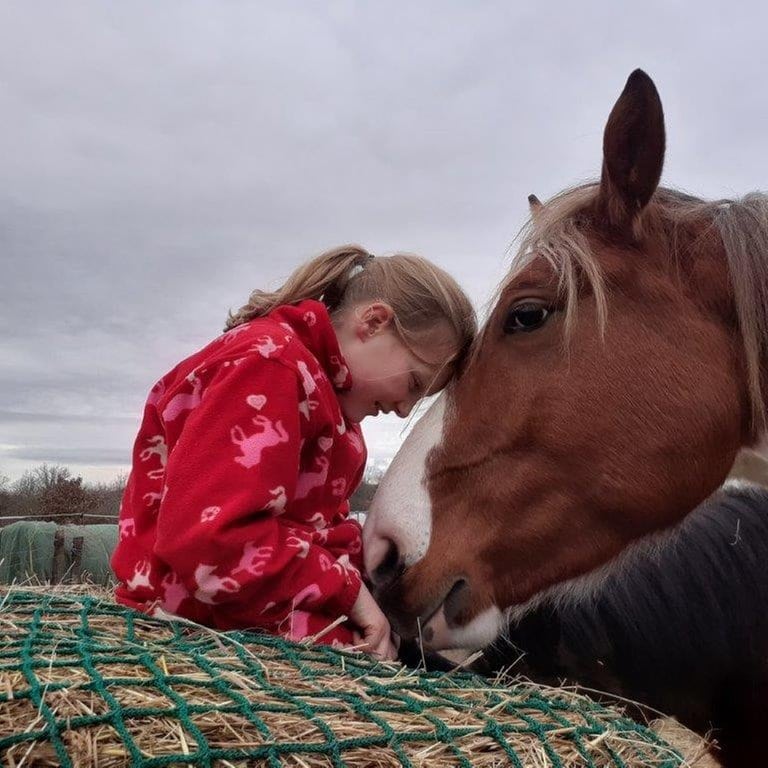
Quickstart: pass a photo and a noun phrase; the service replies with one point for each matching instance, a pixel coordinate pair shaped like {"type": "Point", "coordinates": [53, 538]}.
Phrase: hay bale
{"type": "Point", "coordinates": [84, 681]}
{"type": "Point", "coordinates": [692, 747]}
{"type": "Point", "coordinates": [27, 551]}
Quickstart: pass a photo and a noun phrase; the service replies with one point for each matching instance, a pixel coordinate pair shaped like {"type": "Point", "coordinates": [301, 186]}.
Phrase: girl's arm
{"type": "Point", "coordinates": [232, 470]}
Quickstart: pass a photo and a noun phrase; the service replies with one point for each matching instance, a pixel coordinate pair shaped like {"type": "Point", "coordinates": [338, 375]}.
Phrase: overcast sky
{"type": "Point", "coordinates": [160, 160]}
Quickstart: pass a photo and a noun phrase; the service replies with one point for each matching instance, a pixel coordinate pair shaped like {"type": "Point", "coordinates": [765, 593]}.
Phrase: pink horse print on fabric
{"type": "Point", "coordinates": [126, 528]}
{"type": "Point", "coordinates": [266, 347]}
{"type": "Point", "coordinates": [299, 544]}
{"type": "Point", "coordinates": [278, 501]}
{"type": "Point", "coordinates": [233, 333]}
{"type": "Point", "coordinates": [298, 619]}
{"type": "Point", "coordinates": [311, 480]}
{"type": "Point", "coordinates": [307, 406]}
{"type": "Point", "coordinates": [210, 585]}
{"type": "Point", "coordinates": [156, 447]}
{"type": "Point", "coordinates": [288, 330]}
{"type": "Point", "coordinates": [254, 560]}
{"type": "Point", "coordinates": [339, 486]}
{"type": "Point", "coordinates": [344, 566]}
{"type": "Point", "coordinates": [308, 383]}
{"type": "Point", "coordinates": [342, 372]}
{"type": "Point", "coordinates": [140, 578]}
{"type": "Point", "coordinates": [355, 546]}
{"type": "Point", "coordinates": [252, 446]}
{"type": "Point", "coordinates": [184, 401]}
{"type": "Point", "coordinates": [174, 592]}
{"type": "Point", "coordinates": [297, 625]}
{"type": "Point", "coordinates": [307, 380]}
{"type": "Point", "coordinates": [317, 521]}
{"type": "Point", "coordinates": [307, 597]}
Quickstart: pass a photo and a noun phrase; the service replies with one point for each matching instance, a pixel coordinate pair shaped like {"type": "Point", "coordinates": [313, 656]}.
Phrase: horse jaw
{"type": "Point", "coordinates": [489, 625]}
{"type": "Point", "coordinates": [492, 623]}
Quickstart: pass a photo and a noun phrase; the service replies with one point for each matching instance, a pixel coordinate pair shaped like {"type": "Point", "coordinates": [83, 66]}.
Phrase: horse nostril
{"type": "Point", "coordinates": [389, 568]}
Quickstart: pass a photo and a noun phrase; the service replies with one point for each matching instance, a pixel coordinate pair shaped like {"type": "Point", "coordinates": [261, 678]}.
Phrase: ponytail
{"type": "Point", "coordinates": [324, 278]}
{"type": "Point", "coordinates": [420, 293]}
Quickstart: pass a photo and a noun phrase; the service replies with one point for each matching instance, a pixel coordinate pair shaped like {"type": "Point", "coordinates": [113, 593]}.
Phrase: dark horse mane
{"type": "Point", "coordinates": [714, 560]}
{"type": "Point", "coordinates": [681, 626]}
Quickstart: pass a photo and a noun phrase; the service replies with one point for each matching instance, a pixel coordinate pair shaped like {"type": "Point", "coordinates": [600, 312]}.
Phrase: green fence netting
{"type": "Point", "coordinates": [84, 681]}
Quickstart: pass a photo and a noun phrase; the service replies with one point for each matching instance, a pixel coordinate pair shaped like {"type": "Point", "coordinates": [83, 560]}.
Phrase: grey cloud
{"type": "Point", "coordinates": [161, 161]}
{"type": "Point", "coordinates": [95, 456]}
{"type": "Point", "coordinates": [19, 417]}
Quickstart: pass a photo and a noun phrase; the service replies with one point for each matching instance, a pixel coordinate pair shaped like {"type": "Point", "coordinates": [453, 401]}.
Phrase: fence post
{"type": "Point", "coordinates": [59, 563]}
{"type": "Point", "coordinates": [77, 556]}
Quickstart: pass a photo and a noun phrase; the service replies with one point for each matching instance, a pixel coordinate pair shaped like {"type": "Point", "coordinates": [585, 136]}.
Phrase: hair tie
{"type": "Point", "coordinates": [358, 268]}
{"type": "Point", "coordinates": [333, 294]}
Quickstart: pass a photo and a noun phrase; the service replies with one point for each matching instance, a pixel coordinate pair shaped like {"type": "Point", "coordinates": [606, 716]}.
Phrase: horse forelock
{"type": "Point", "coordinates": [553, 233]}
{"type": "Point", "coordinates": [556, 233]}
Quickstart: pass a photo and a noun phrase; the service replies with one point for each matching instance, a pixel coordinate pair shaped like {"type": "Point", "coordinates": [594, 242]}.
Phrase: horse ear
{"type": "Point", "coordinates": [633, 151]}
{"type": "Point", "coordinates": [536, 205]}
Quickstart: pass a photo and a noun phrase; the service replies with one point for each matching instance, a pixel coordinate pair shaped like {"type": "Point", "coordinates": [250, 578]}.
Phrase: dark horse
{"type": "Point", "coordinates": [623, 366]}
{"type": "Point", "coordinates": [683, 628]}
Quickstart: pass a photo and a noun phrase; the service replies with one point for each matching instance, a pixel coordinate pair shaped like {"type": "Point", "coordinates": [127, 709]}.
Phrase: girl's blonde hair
{"type": "Point", "coordinates": [421, 294]}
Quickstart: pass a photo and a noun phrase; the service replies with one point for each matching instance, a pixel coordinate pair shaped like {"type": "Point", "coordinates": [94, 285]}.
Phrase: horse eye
{"type": "Point", "coordinates": [523, 318]}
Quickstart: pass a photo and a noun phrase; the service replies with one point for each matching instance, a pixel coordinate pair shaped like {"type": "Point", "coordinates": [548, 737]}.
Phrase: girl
{"type": "Point", "coordinates": [236, 510]}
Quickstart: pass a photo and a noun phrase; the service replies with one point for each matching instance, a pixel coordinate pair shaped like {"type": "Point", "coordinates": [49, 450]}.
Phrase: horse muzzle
{"type": "Point", "coordinates": [432, 621]}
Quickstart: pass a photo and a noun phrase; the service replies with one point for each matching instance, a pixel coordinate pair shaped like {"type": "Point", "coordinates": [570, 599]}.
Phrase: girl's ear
{"type": "Point", "coordinates": [373, 318]}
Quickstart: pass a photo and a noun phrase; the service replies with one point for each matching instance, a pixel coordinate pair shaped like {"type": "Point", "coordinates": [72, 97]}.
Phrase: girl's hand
{"type": "Point", "coordinates": [374, 630]}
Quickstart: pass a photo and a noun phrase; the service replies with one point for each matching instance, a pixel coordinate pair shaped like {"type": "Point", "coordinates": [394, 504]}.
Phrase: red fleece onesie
{"type": "Point", "coordinates": [235, 513]}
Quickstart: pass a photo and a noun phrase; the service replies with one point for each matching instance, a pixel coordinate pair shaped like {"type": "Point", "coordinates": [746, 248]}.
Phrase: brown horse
{"type": "Point", "coordinates": [623, 366]}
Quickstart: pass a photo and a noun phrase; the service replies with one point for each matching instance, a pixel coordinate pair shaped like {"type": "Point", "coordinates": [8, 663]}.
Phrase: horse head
{"type": "Point", "coordinates": [620, 370]}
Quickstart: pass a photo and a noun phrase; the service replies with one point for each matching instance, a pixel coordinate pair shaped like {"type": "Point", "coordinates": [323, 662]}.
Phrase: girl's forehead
{"type": "Point", "coordinates": [436, 379]}
{"type": "Point", "coordinates": [431, 362]}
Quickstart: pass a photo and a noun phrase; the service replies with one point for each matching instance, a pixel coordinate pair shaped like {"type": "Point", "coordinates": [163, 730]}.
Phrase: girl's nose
{"type": "Point", "coordinates": [403, 408]}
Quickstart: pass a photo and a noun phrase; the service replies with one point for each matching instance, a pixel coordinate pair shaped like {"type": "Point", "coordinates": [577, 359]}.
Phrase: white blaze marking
{"type": "Point", "coordinates": [401, 510]}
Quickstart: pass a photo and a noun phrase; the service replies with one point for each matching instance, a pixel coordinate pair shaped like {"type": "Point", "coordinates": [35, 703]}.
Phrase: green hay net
{"type": "Point", "coordinates": [84, 681]}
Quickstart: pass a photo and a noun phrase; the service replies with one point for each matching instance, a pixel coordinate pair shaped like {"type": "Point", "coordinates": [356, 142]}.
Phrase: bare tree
{"type": "Point", "coordinates": [49, 476]}
{"type": "Point", "coordinates": [5, 493]}
{"type": "Point", "coordinates": [53, 490]}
